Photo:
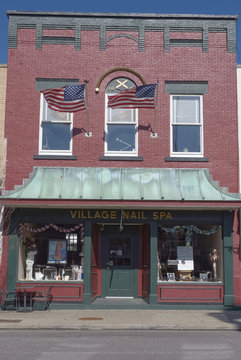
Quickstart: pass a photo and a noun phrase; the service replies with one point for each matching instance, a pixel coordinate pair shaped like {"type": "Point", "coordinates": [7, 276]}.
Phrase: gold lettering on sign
{"type": "Point", "coordinates": [133, 215]}
{"type": "Point", "coordinates": [162, 214]}
{"type": "Point", "coordinates": [159, 215]}
{"type": "Point", "coordinates": [97, 215]}
{"type": "Point", "coordinates": [143, 217]}
{"type": "Point", "coordinates": [105, 214]}
{"type": "Point", "coordinates": [125, 214]}
{"type": "Point", "coordinates": [113, 214]}
{"type": "Point", "coordinates": [73, 213]}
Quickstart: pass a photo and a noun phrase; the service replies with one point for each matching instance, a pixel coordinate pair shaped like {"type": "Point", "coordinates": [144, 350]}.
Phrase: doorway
{"type": "Point", "coordinates": [120, 262]}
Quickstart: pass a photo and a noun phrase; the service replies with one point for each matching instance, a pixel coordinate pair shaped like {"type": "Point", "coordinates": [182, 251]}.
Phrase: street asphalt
{"type": "Point", "coordinates": [121, 319]}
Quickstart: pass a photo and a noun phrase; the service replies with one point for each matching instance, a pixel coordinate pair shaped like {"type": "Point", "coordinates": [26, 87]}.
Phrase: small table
{"type": "Point", "coordinates": [24, 294]}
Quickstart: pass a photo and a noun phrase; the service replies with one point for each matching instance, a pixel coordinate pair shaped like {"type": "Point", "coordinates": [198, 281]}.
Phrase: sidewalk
{"type": "Point", "coordinates": [123, 319]}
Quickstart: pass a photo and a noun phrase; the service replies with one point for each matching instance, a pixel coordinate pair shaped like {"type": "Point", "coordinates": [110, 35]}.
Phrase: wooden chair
{"type": "Point", "coordinates": [43, 297]}
{"type": "Point", "coordinates": [7, 299]}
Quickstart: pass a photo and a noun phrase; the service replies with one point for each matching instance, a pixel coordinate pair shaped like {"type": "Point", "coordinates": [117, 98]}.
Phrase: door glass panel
{"type": "Point", "coordinates": [119, 252]}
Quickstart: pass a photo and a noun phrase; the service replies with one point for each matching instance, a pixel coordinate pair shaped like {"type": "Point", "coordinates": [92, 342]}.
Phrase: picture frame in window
{"type": "Point", "coordinates": [203, 276]}
{"type": "Point", "coordinates": [171, 277]}
{"type": "Point", "coordinates": [50, 273]}
{"type": "Point", "coordinates": [69, 273]}
{"type": "Point", "coordinates": [57, 253]}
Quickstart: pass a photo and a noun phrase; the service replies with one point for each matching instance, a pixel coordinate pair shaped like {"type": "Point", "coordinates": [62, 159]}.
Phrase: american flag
{"type": "Point", "coordinates": [138, 97]}
{"type": "Point", "coordinates": [69, 98]}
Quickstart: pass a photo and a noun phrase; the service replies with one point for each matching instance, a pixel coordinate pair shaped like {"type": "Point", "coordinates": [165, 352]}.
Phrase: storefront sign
{"type": "Point", "coordinates": [118, 214]}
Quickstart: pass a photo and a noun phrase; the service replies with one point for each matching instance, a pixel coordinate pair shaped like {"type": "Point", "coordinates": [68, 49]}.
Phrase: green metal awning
{"type": "Point", "coordinates": [76, 183]}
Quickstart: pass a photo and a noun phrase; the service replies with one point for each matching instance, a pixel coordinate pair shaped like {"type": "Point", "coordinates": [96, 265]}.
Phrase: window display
{"type": "Point", "coordinates": [51, 252]}
{"type": "Point", "coordinates": [190, 253]}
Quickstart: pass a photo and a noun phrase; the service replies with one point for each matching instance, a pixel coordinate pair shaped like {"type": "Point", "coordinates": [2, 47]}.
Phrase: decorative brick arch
{"type": "Point", "coordinates": [128, 36]}
{"type": "Point", "coordinates": [97, 88]}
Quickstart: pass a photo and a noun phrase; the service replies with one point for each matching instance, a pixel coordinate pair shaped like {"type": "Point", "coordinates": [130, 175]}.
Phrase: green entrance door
{"type": "Point", "coordinates": [120, 262]}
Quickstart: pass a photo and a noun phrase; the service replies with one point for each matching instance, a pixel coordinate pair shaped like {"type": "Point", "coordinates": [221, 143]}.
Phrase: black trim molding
{"type": "Point", "coordinates": [48, 83]}
{"type": "Point", "coordinates": [186, 87]}
{"type": "Point", "coordinates": [186, 159]}
{"type": "Point", "coordinates": [55, 157]}
{"type": "Point", "coordinates": [121, 158]}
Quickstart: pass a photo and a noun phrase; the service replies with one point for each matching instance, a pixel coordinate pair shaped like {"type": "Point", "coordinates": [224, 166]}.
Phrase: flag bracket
{"type": "Point", "coordinates": [154, 135]}
{"type": "Point", "coordinates": [88, 134]}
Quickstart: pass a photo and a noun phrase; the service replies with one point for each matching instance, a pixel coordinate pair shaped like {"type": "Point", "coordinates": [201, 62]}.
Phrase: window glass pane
{"type": "Point", "coordinates": [196, 262]}
{"type": "Point", "coordinates": [186, 109]}
{"type": "Point", "coordinates": [56, 136]}
{"type": "Point", "coordinates": [72, 242]}
{"type": "Point", "coordinates": [51, 115]}
{"type": "Point", "coordinates": [121, 138]}
{"type": "Point", "coordinates": [53, 255]}
{"type": "Point", "coordinates": [186, 138]}
{"type": "Point", "coordinates": [119, 252]}
{"type": "Point", "coordinates": [121, 130]}
{"type": "Point", "coordinates": [121, 115]}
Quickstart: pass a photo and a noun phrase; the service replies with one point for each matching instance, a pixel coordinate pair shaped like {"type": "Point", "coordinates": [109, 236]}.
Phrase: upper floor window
{"type": "Point", "coordinates": [121, 125]}
{"type": "Point", "coordinates": [186, 125]}
{"type": "Point", "coordinates": [55, 130]}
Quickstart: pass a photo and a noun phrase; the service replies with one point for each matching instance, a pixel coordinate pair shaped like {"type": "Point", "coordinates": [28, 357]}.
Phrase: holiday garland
{"type": "Point", "coordinates": [189, 230]}
{"type": "Point", "coordinates": [56, 227]}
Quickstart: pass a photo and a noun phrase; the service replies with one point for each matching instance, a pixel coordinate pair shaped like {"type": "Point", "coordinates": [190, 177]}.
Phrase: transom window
{"type": "Point", "coordinates": [186, 125]}
{"type": "Point", "coordinates": [55, 130]}
{"type": "Point", "coordinates": [121, 125]}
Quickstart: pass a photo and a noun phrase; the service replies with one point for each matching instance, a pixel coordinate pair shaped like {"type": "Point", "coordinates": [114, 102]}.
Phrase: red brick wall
{"type": "Point", "coordinates": [26, 63]}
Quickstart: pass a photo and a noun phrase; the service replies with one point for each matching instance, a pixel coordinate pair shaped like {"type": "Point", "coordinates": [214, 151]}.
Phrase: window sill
{"type": "Point", "coordinates": [55, 157]}
{"type": "Point", "coordinates": [121, 158]}
{"type": "Point", "coordinates": [183, 282]}
{"type": "Point", "coordinates": [186, 159]}
{"type": "Point", "coordinates": [21, 281]}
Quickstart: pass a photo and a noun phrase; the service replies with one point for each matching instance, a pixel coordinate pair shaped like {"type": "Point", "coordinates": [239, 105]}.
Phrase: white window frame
{"type": "Point", "coordinates": [43, 118]}
{"type": "Point", "coordinates": [200, 124]}
{"type": "Point", "coordinates": [134, 113]}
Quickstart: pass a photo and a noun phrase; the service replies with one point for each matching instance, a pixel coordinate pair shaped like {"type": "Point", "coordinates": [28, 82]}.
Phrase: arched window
{"type": "Point", "coordinates": [121, 125]}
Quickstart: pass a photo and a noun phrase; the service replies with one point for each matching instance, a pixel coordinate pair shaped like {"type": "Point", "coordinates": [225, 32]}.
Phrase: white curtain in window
{"type": "Point", "coordinates": [186, 109]}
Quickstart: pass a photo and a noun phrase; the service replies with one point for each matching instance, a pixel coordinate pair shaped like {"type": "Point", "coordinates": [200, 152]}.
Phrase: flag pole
{"type": "Point", "coordinates": [88, 133]}
{"type": "Point", "coordinates": [154, 134]}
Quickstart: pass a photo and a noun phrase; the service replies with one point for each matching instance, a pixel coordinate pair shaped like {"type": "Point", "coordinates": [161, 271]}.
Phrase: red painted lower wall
{"type": "Point", "coordinates": [190, 293]}
{"type": "Point", "coordinates": [61, 291]}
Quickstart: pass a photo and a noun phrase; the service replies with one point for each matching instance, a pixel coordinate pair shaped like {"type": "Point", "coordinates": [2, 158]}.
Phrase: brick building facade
{"type": "Point", "coordinates": [3, 84]}
{"type": "Point", "coordinates": [138, 198]}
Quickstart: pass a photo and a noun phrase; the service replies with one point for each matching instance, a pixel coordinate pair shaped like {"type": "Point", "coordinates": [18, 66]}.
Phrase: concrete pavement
{"type": "Point", "coordinates": [123, 319]}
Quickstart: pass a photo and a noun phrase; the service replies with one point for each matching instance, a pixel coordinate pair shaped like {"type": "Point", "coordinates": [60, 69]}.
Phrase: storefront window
{"type": "Point", "coordinates": [190, 253]}
{"type": "Point", "coordinates": [51, 252]}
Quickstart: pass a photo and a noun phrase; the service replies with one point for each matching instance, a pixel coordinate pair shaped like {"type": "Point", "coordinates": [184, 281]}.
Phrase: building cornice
{"type": "Point", "coordinates": [121, 15]}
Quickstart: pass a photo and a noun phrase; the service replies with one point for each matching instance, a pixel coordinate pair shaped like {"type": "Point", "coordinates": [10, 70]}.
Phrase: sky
{"type": "Point", "coordinates": [204, 7]}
